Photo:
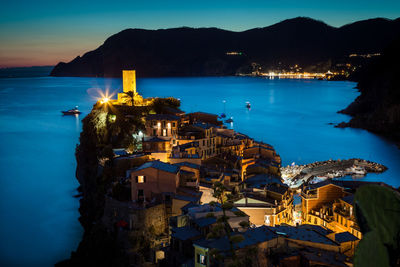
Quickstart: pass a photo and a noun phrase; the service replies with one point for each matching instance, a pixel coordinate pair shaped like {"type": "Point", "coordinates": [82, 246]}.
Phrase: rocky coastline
{"type": "Point", "coordinates": [377, 109]}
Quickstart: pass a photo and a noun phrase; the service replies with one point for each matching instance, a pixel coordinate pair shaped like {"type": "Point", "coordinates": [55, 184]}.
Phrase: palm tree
{"type": "Point", "coordinates": [131, 96]}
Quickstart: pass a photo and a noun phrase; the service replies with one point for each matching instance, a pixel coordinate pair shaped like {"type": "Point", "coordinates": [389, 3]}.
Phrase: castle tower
{"type": "Point", "coordinates": [129, 81]}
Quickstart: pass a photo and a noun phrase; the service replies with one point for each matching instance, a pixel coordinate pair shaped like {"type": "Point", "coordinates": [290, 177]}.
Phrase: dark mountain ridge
{"type": "Point", "coordinates": [202, 51]}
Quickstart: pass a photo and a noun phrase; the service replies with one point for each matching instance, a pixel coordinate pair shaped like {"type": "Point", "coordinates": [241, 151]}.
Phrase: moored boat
{"type": "Point", "coordinates": [73, 111]}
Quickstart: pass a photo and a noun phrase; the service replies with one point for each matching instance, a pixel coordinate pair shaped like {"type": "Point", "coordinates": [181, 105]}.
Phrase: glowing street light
{"type": "Point", "coordinates": [104, 100]}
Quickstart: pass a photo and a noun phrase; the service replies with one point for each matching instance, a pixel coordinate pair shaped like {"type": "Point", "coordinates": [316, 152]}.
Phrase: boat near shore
{"type": "Point", "coordinates": [74, 111]}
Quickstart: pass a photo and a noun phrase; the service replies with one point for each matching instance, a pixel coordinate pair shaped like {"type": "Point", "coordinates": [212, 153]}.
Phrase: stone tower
{"type": "Point", "coordinates": [129, 81]}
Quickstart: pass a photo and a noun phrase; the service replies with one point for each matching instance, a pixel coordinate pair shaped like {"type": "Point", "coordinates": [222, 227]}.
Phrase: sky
{"type": "Point", "coordinates": [37, 32]}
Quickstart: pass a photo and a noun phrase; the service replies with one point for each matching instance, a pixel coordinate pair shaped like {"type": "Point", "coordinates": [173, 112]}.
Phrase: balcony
{"type": "Point", "coordinates": [309, 194]}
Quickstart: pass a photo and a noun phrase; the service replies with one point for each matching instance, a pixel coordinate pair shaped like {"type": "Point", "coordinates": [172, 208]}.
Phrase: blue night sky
{"type": "Point", "coordinates": [46, 32]}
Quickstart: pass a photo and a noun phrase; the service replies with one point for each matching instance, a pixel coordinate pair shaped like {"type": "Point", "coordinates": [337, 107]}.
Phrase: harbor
{"type": "Point", "coordinates": [295, 175]}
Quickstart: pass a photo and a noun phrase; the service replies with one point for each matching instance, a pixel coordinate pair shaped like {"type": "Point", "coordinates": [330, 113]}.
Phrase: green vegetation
{"type": "Point", "coordinates": [105, 128]}
{"type": "Point", "coordinates": [378, 215]}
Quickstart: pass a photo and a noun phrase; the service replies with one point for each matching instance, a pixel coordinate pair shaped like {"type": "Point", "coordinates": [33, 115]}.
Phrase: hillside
{"type": "Point", "coordinates": [202, 52]}
{"type": "Point", "coordinates": [377, 109]}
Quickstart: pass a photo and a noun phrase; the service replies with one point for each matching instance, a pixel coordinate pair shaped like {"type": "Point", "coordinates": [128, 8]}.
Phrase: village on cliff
{"type": "Point", "coordinates": [212, 196]}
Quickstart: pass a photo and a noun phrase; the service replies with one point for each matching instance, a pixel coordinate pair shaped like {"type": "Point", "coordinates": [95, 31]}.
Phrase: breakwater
{"type": "Point", "coordinates": [296, 175]}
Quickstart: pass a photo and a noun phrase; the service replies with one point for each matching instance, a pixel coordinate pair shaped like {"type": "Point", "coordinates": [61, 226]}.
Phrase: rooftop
{"type": "Point", "coordinates": [204, 125]}
{"type": "Point", "coordinates": [345, 237]}
{"type": "Point", "coordinates": [261, 180]}
{"type": "Point", "coordinates": [168, 117]}
{"type": "Point", "coordinates": [188, 164]}
{"type": "Point", "coordinates": [205, 221]}
{"type": "Point", "coordinates": [317, 228]}
{"type": "Point", "coordinates": [302, 234]}
{"type": "Point", "coordinates": [251, 236]}
{"type": "Point", "coordinates": [184, 233]}
{"type": "Point", "coordinates": [156, 164]}
{"type": "Point", "coordinates": [277, 188]}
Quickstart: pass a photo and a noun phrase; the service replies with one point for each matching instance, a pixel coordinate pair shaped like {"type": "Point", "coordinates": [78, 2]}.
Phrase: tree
{"type": "Point", "coordinates": [131, 96]}
{"type": "Point", "coordinates": [219, 194]}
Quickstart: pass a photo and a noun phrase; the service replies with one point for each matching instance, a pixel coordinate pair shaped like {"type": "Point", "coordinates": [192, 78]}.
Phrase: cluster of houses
{"type": "Point", "coordinates": [171, 192]}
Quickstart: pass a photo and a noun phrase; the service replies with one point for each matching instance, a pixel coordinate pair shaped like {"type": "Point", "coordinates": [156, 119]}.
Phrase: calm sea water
{"type": "Point", "coordinates": [39, 214]}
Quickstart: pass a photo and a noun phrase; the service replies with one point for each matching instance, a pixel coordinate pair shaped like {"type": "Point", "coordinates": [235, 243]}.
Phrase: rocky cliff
{"type": "Point", "coordinates": [377, 109]}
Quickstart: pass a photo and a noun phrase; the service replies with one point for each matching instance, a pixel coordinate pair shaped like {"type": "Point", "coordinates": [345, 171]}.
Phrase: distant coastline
{"type": "Point", "coordinates": [25, 72]}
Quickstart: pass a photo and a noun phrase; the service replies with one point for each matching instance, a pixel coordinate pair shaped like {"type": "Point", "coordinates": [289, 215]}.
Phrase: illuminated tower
{"type": "Point", "coordinates": [129, 95]}
{"type": "Point", "coordinates": [129, 81]}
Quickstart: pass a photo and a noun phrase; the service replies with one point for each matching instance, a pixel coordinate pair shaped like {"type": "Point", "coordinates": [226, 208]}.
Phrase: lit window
{"type": "Point", "coordinates": [158, 124]}
{"type": "Point", "coordinates": [266, 218]}
{"type": "Point", "coordinates": [141, 179]}
{"type": "Point", "coordinates": [169, 125]}
{"type": "Point", "coordinates": [164, 132]}
{"type": "Point", "coordinates": [201, 259]}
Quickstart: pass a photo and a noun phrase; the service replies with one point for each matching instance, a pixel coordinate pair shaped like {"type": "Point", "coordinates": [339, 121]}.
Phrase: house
{"type": "Point", "coordinates": [153, 178]}
{"type": "Point", "coordinates": [165, 125]}
{"type": "Point", "coordinates": [203, 117]}
{"type": "Point", "coordinates": [299, 237]}
{"type": "Point", "coordinates": [266, 200]}
{"type": "Point", "coordinates": [348, 242]}
{"type": "Point", "coordinates": [330, 204]}
{"type": "Point", "coordinates": [260, 238]}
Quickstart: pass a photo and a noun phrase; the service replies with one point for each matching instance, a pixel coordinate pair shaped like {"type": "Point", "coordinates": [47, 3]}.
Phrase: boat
{"type": "Point", "coordinates": [248, 105]}
{"type": "Point", "coordinates": [223, 115]}
{"type": "Point", "coordinates": [74, 111]}
{"type": "Point", "coordinates": [230, 120]}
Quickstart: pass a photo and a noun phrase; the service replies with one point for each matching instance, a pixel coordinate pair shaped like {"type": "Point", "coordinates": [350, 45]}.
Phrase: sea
{"type": "Point", "coordinates": [38, 190]}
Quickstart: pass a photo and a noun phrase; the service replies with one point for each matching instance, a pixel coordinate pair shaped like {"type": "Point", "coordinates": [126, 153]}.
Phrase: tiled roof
{"type": "Point", "coordinates": [277, 188]}
{"type": "Point", "coordinates": [261, 180]}
{"type": "Point", "coordinates": [188, 164]}
{"type": "Point", "coordinates": [188, 206]}
{"type": "Point", "coordinates": [187, 198]}
{"type": "Point", "coordinates": [173, 110]}
{"type": "Point", "coordinates": [320, 184]}
{"type": "Point", "coordinates": [156, 164]}
{"type": "Point", "coordinates": [184, 233]}
{"type": "Point", "coordinates": [251, 237]}
{"type": "Point", "coordinates": [205, 221]}
{"type": "Point", "coordinates": [302, 234]}
{"type": "Point", "coordinates": [168, 117]}
{"type": "Point", "coordinates": [324, 258]}
{"type": "Point", "coordinates": [201, 112]}
{"type": "Point", "coordinates": [349, 199]}
{"type": "Point", "coordinates": [316, 228]}
{"type": "Point", "coordinates": [345, 237]}
{"type": "Point", "coordinates": [204, 125]}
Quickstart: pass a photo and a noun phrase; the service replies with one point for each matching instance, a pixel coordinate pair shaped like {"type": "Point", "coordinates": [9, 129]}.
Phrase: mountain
{"type": "Point", "coordinates": [377, 109]}
{"type": "Point", "coordinates": [203, 51]}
